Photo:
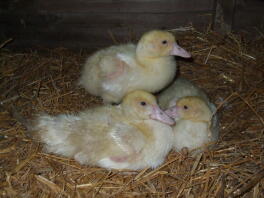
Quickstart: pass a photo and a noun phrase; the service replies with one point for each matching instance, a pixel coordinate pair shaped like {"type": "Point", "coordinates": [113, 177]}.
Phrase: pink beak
{"type": "Point", "coordinates": [158, 114]}
{"type": "Point", "coordinates": [172, 111]}
{"type": "Point", "coordinates": [178, 51]}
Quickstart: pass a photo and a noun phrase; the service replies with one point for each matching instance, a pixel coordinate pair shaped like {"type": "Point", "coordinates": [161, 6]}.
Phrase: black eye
{"type": "Point", "coordinates": [164, 42]}
{"type": "Point", "coordinates": [143, 103]}
{"type": "Point", "coordinates": [185, 107]}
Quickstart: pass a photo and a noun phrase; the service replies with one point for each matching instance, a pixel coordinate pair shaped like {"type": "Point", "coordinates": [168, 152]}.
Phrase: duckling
{"type": "Point", "coordinates": [182, 87]}
{"type": "Point", "coordinates": [194, 128]}
{"type": "Point", "coordinates": [150, 66]}
{"type": "Point", "coordinates": [132, 135]}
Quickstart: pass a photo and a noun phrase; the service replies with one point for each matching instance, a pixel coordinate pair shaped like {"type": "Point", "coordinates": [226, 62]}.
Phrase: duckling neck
{"type": "Point", "coordinates": [155, 73]}
{"type": "Point", "coordinates": [154, 66]}
{"type": "Point", "coordinates": [149, 62]}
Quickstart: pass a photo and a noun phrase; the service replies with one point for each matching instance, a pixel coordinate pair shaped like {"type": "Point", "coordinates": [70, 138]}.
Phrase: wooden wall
{"type": "Point", "coordinates": [239, 15]}
{"type": "Point", "coordinates": [248, 14]}
{"type": "Point", "coordinates": [88, 23]}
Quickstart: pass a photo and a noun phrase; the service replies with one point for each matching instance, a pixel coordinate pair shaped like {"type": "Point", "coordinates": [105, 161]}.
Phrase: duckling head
{"type": "Point", "coordinates": [190, 108]}
{"type": "Point", "coordinates": [158, 43]}
{"type": "Point", "coordinates": [143, 105]}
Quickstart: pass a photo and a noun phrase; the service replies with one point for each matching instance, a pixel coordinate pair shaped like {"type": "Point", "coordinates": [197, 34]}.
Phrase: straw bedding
{"type": "Point", "coordinates": [229, 68]}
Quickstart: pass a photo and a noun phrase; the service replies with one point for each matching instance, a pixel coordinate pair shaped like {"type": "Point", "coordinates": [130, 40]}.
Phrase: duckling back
{"type": "Point", "coordinates": [181, 87]}
{"type": "Point", "coordinates": [100, 64]}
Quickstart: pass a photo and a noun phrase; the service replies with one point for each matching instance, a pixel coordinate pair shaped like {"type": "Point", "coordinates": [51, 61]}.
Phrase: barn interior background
{"type": "Point", "coordinates": [43, 45]}
{"type": "Point", "coordinates": [87, 24]}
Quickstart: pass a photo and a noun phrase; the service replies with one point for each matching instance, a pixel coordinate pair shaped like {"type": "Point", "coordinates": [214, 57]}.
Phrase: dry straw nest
{"type": "Point", "coordinates": [229, 68]}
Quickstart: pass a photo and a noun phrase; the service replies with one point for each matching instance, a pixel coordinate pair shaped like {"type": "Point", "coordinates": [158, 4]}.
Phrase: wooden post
{"type": "Point", "coordinates": [224, 15]}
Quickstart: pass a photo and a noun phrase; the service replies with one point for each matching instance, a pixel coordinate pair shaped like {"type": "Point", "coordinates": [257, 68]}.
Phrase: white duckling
{"type": "Point", "coordinates": [133, 135]}
{"type": "Point", "coordinates": [193, 129]}
{"type": "Point", "coordinates": [113, 72]}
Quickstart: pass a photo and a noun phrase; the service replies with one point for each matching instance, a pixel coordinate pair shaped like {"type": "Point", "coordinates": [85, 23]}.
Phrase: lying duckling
{"type": "Point", "coordinates": [133, 135]}
{"type": "Point", "coordinates": [182, 87]}
{"type": "Point", "coordinates": [193, 129]}
{"type": "Point", "coordinates": [113, 72]}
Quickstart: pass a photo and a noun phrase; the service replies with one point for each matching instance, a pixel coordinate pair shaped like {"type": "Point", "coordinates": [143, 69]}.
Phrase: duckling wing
{"type": "Point", "coordinates": [111, 67]}
{"type": "Point", "coordinates": [128, 59]}
{"type": "Point", "coordinates": [129, 139]}
{"type": "Point", "coordinates": [116, 61]}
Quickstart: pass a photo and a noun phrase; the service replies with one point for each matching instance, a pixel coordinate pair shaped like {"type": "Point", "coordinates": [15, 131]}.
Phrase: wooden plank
{"type": "Point", "coordinates": [239, 14]}
{"type": "Point", "coordinates": [85, 24]}
{"type": "Point", "coordinates": [85, 35]}
{"type": "Point", "coordinates": [250, 5]}
{"type": "Point", "coordinates": [40, 44]}
{"type": "Point", "coordinates": [224, 15]}
{"type": "Point", "coordinates": [65, 30]}
{"type": "Point", "coordinates": [20, 5]}
{"type": "Point", "coordinates": [249, 19]}
{"type": "Point", "coordinates": [80, 24]}
{"type": "Point", "coordinates": [27, 19]}
{"type": "Point", "coordinates": [248, 15]}
{"type": "Point", "coordinates": [95, 20]}
{"type": "Point", "coordinates": [124, 6]}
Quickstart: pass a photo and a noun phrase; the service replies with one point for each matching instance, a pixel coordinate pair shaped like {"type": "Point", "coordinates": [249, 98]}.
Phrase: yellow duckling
{"type": "Point", "coordinates": [133, 135]}
{"type": "Point", "coordinates": [182, 88]}
{"type": "Point", "coordinates": [193, 129]}
{"type": "Point", "coordinates": [113, 72]}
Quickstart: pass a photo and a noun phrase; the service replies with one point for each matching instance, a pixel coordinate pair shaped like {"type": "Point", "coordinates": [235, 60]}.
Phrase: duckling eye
{"type": "Point", "coordinates": [185, 107]}
{"type": "Point", "coordinates": [164, 42]}
{"type": "Point", "coordinates": [143, 103]}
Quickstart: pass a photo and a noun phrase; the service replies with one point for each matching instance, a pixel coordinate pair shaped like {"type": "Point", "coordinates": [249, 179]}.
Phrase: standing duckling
{"type": "Point", "coordinates": [193, 129]}
{"type": "Point", "coordinates": [133, 135]}
{"type": "Point", "coordinates": [113, 72]}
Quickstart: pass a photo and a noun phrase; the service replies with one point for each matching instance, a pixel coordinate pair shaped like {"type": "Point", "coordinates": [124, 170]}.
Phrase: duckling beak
{"type": "Point", "coordinates": [179, 51]}
{"type": "Point", "coordinates": [173, 112]}
{"type": "Point", "coordinates": [158, 114]}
